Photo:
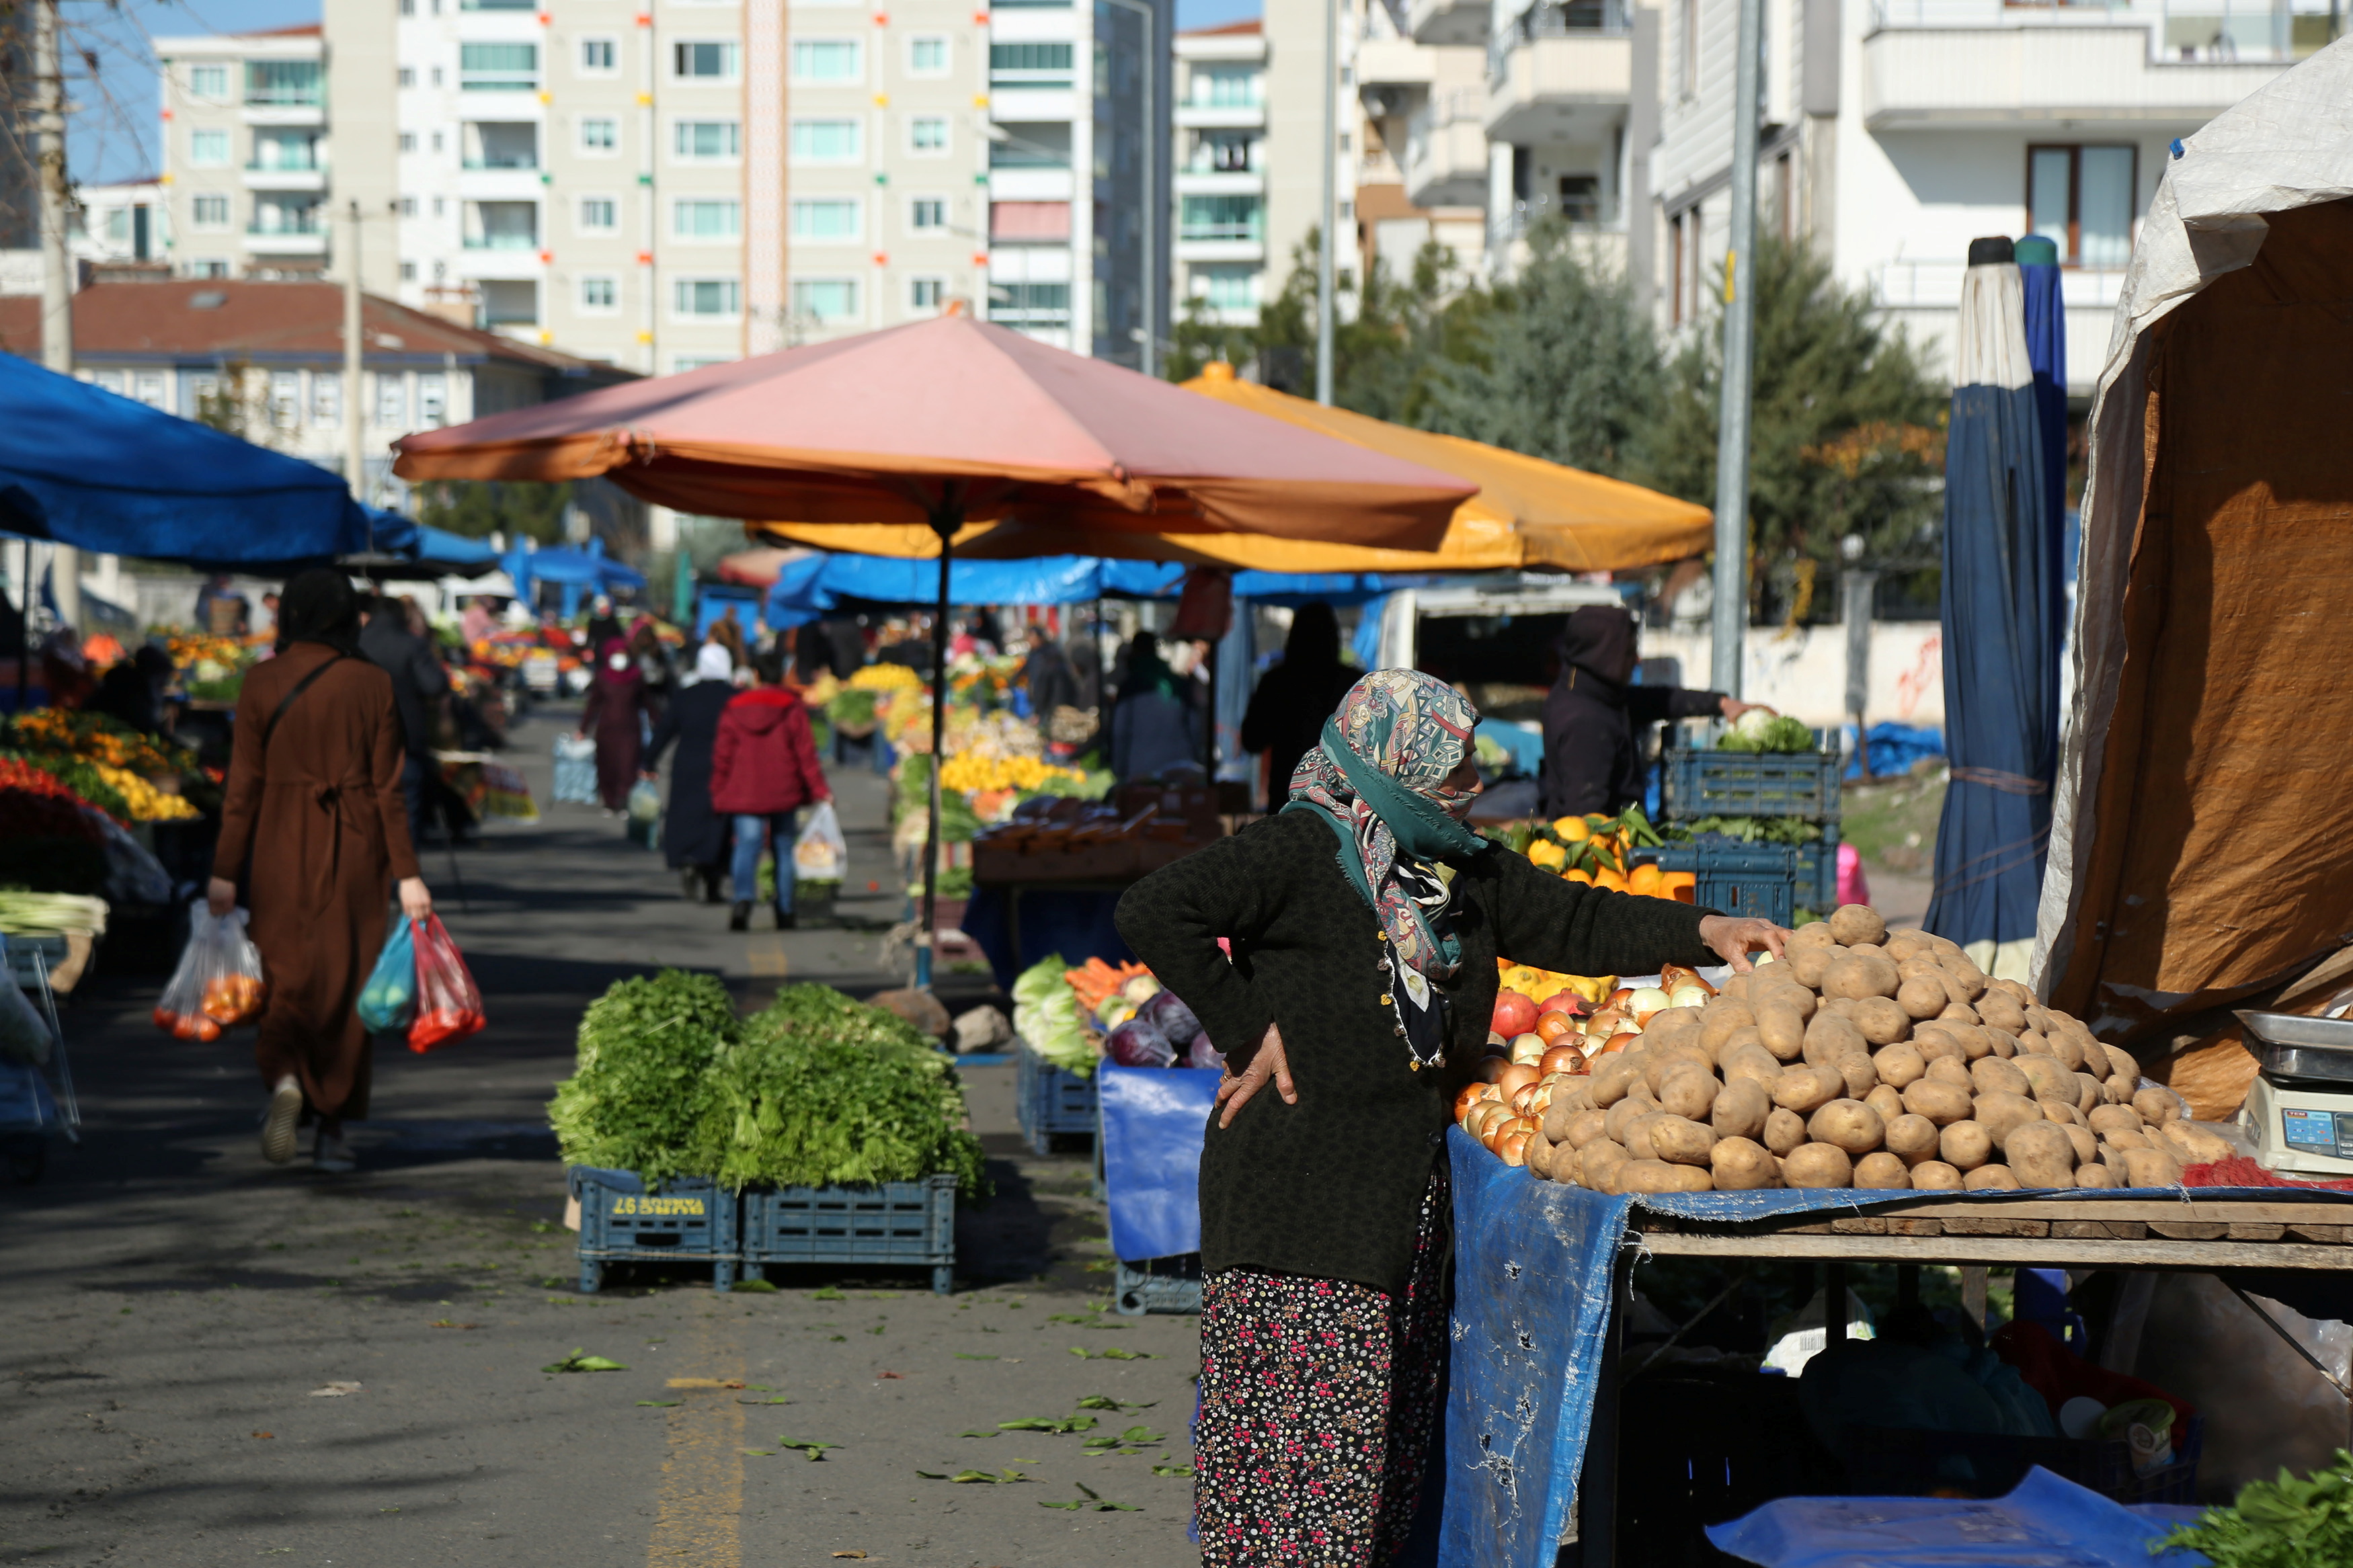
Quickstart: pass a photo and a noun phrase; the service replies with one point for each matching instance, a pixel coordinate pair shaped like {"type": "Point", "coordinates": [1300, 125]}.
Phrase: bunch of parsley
{"type": "Point", "coordinates": [641, 1087]}
{"type": "Point", "coordinates": [2286, 1523]}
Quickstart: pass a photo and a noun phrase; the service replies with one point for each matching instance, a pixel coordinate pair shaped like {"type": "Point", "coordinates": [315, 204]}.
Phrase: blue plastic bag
{"type": "Point", "coordinates": [389, 999]}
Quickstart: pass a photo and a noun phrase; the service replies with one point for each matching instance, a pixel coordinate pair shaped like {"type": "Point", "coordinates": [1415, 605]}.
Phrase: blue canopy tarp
{"type": "Point", "coordinates": [453, 552]}
{"type": "Point", "coordinates": [816, 584]}
{"type": "Point", "coordinates": [1154, 1122]}
{"type": "Point", "coordinates": [92, 468]}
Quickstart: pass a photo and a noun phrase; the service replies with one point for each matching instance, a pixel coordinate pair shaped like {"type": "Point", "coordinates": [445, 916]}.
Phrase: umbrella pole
{"type": "Point", "coordinates": [945, 519]}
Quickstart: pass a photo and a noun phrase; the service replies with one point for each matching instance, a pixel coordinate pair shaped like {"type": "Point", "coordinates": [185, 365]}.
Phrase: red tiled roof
{"type": "Point", "coordinates": [1250, 25]}
{"type": "Point", "coordinates": [255, 319]}
{"type": "Point", "coordinates": [300, 30]}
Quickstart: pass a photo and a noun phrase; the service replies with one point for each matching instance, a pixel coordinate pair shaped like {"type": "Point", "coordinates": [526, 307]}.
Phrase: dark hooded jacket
{"type": "Point", "coordinates": [1596, 721]}
{"type": "Point", "coordinates": [1286, 714]}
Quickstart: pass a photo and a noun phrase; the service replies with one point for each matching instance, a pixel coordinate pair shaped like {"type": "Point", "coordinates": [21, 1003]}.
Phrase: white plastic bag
{"type": "Point", "coordinates": [575, 771]}
{"type": "Point", "coordinates": [218, 984]}
{"type": "Point", "coordinates": [821, 855]}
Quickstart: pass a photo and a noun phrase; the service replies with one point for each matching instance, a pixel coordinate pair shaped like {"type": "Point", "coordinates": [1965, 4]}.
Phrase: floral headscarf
{"type": "Point", "coordinates": [1379, 780]}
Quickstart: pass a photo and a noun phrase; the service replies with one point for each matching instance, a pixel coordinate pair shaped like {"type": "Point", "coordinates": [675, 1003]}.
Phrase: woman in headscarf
{"type": "Point", "coordinates": [1597, 722]}
{"type": "Point", "coordinates": [694, 837]}
{"type": "Point", "coordinates": [314, 823]}
{"type": "Point", "coordinates": [1365, 920]}
{"type": "Point", "coordinates": [615, 714]}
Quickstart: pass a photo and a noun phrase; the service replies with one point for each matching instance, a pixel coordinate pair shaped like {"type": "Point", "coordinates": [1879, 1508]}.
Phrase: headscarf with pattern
{"type": "Point", "coordinates": [1379, 781]}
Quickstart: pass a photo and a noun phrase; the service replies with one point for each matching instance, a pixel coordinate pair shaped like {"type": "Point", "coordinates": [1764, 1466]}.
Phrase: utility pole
{"type": "Point", "coordinates": [1731, 607]}
{"type": "Point", "coordinates": [57, 276]}
{"type": "Point", "coordinates": [355, 412]}
{"type": "Point", "coordinates": [1331, 203]}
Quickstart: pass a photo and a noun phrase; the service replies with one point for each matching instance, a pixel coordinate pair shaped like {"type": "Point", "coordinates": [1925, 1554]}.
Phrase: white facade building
{"type": "Point", "coordinates": [1225, 269]}
{"type": "Point", "coordinates": [244, 132]}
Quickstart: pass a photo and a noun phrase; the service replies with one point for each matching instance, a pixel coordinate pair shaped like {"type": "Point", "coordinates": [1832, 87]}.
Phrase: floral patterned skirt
{"type": "Point", "coordinates": [1319, 1402]}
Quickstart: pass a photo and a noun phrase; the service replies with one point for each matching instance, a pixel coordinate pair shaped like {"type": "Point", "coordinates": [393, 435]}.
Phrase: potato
{"type": "Point", "coordinates": [1688, 1090]}
{"type": "Point", "coordinates": [1912, 1139]}
{"type": "Point", "coordinates": [1852, 924]}
{"type": "Point", "coordinates": [2151, 1168]}
{"type": "Point", "coordinates": [1884, 981]}
{"type": "Point", "coordinates": [1621, 1119]}
{"type": "Point", "coordinates": [1672, 1026]}
{"type": "Point", "coordinates": [1751, 1062]}
{"type": "Point", "coordinates": [1785, 992]}
{"type": "Point", "coordinates": [1976, 1043]}
{"type": "Point", "coordinates": [1946, 946]}
{"type": "Point", "coordinates": [2124, 1138]}
{"type": "Point", "coordinates": [2109, 1118]}
{"type": "Point", "coordinates": [1990, 1179]}
{"type": "Point", "coordinates": [1779, 1029]}
{"type": "Point", "coordinates": [1742, 1165]}
{"type": "Point", "coordinates": [1936, 1042]}
{"type": "Point", "coordinates": [1841, 1005]}
{"type": "Point", "coordinates": [1817, 1165]}
{"type": "Point", "coordinates": [1610, 1080]}
{"type": "Point", "coordinates": [1848, 1124]}
{"type": "Point", "coordinates": [1851, 977]}
{"type": "Point", "coordinates": [1941, 1103]}
{"type": "Point", "coordinates": [1872, 948]}
{"type": "Point", "coordinates": [1948, 1069]}
{"type": "Point", "coordinates": [2158, 1106]}
{"type": "Point", "coordinates": [1967, 975]}
{"type": "Point", "coordinates": [2001, 1012]}
{"type": "Point", "coordinates": [2041, 1155]}
{"type": "Point", "coordinates": [2068, 1049]}
{"type": "Point", "coordinates": [1882, 1171]}
{"type": "Point", "coordinates": [1537, 1153]}
{"type": "Point", "coordinates": [1935, 1176]}
{"type": "Point", "coordinates": [2031, 1041]}
{"type": "Point", "coordinates": [1999, 1110]}
{"type": "Point", "coordinates": [2087, 1147]}
{"type": "Point", "coordinates": [1812, 934]}
{"type": "Point", "coordinates": [1902, 944]}
{"type": "Point", "coordinates": [1568, 1166]}
{"type": "Point", "coordinates": [2121, 1060]}
{"type": "Point", "coordinates": [1899, 1066]}
{"type": "Point", "coordinates": [1784, 1129]}
{"type": "Point", "coordinates": [2062, 1112]}
{"type": "Point", "coordinates": [2121, 1087]}
{"type": "Point", "coordinates": [2038, 1017]}
{"type": "Point", "coordinates": [1964, 1145]}
{"type": "Point", "coordinates": [1740, 1109]}
{"type": "Point", "coordinates": [1811, 965]}
{"type": "Point", "coordinates": [2192, 1144]}
{"type": "Point", "coordinates": [1662, 1060]}
{"type": "Point", "coordinates": [2092, 1174]}
{"type": "Point", "coordinates": [1958, 1012]}
{"type": "Point", "coordinates": [1719, 1018]}
{"type": "Point", "coordinates": [1660, 1177]}
{"type": "Point", "coordinates": [1586, 1128]}
{"type": "Point", "coordinates": [1883, 1022]}
{"type": "Point", "coordinates": [1805, 1090]}
{"type": "Point", "coordinates": [1829, 1036]}
{"type": "Point", "coordinates": [1921, 997]}
{"type": "Point", "coordinates": [1916, 962]}
{"type": "Point", "coordinates": [1861, 1077]}
{"type": "Point", "coordinates": [1887, 1101]}
{"type": "Point", "coordinates": [1746, 1035]}
{"type": "Point", "coordinates": [2005, 1044]}
{"type": "Point", "coordinates": [1598, 1165]}
{"type": "Point", "coordinates": [2050, 1080]}
{"type": "Point", "coordinates": [2089, 1093]}
{"type": "Point", "coordinates": [1993, 1075]}
{"type": "Point", "coordinates": [1679, 1139]}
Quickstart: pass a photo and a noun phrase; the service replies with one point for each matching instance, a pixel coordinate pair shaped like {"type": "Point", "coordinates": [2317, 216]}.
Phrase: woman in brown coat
{"type": "Point", "coordinates": [316, 821]}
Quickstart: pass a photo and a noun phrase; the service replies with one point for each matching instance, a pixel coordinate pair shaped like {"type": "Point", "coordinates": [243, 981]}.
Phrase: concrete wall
{"type": "Point", "coordinates": [1803, 673]}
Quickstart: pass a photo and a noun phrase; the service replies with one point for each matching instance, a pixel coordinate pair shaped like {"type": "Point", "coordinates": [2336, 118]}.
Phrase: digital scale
{"type": "Point", "coordinates": [2299, 1109]}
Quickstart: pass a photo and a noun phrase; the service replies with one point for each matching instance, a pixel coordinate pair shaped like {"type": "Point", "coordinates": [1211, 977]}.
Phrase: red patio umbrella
{"type": "Point", "coordinates": [942, 423]}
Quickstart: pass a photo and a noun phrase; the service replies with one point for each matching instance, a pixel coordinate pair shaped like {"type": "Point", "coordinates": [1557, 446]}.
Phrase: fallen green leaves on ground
{"type": "Point", "coordinates": [1048, 1424]}
{"type": "Point", "coordinates": [1105, 1402]}
{"type": "Point", "coordinates": [814, 1450]}
{"type": "Point", "coordinates": [1093, 1502]}
{"type": "Point", "coordinates": [580, 1360]}
{"type": "Point", "coordinates": [1116, 1352]}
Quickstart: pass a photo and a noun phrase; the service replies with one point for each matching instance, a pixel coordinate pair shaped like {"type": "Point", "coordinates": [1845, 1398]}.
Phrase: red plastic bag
{"type": "Point", "coordinates": [218, 982]}
{"type": "Point", "coordinates": [448, 1006]}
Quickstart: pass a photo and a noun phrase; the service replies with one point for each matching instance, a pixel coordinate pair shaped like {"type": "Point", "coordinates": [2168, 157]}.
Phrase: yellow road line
{"type": "Point", "coordinates": [698, 1518]}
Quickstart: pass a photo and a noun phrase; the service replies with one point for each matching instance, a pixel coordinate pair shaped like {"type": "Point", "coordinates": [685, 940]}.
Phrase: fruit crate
{"type": "Point", "coordinates": [687, 1220]}
{"type": "Point", "coordinates": [1891, 1461]}
{"type": "Point", "coordinates": [1818, 872]}
{"type": "Point", "coordinates": [1740, 878]}
{"type": "Point", "coordinates": [904, 1224]}
{"type": "Point", "coordinates": [1693, 784]}
{"type": "Point", "coordinates": [1052, 1101]}
{"type": "Point", "coordinates": [1157, 1285]}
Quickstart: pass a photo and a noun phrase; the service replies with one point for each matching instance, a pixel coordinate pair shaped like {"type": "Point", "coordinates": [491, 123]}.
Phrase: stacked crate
{"type": "Point", "coordinates": [1769, 880]}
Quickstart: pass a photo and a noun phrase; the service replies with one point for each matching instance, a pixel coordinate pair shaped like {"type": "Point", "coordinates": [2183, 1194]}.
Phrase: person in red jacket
{"type": "Point", "coordinates": [764, 769]}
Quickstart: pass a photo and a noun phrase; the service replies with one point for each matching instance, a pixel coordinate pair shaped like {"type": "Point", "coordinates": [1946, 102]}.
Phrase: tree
{"type": "Point", "coordinates": [1556, 363]}
{"type": "Point", "coordinates": [1846, 429]}
{"type": "Point", "coordinates": [478, 508]}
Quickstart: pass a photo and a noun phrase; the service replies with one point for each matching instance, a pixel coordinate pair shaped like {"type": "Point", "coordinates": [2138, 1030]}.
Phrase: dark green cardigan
{"type": "Point", "coordinates": [1330, 1187]}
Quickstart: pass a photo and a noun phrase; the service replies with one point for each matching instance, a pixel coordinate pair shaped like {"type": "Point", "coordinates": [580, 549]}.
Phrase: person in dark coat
{"type": "Point", "coordinates": [615, 714]}
{"type": "Point", "coordinates": [1597, 722]}
{"type": "Point", "coordinates": [1286, 713]}
{"type": "Point", "coordinates": [418, 684]}
{"type": "Point", "coordinates": [132, 690]}
{"type": "Point", "coordinates": [1047, 676]}
{"type": "Point", "coordinates": [764, 769]}
{"type": "Point", "coordinates": [602, 623]}
{"type": "Point", "coordinates": [694, 836]}
{"type": "Point", "coordinates": [314, 819]}
{"type": "Point", "coordinates": [1365, 920]}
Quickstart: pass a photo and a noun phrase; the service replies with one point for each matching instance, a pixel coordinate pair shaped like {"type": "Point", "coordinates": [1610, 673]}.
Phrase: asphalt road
{"type": "Point", "coordinates": [176, 1308]}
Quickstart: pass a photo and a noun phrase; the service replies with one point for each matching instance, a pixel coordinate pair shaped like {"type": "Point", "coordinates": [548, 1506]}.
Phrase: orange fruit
{"type": "Point", "coordinates": [1584, 877]}
{"type": "Point", "coordinates": [1609, 880]}
{"type": "Point", "coordinates": [1680, 885]}
{"type": "Point", "coordinates": [1644, 879]}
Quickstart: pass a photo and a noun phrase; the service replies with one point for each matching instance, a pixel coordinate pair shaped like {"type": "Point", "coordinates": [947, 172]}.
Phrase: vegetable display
{"type": "Point", "coordinates": [2286, 1523]}
{"type": "Point", "coordinates": [1758, 730]}
{"type": "Point", "coordinates": [1601, 851]}
{"type": "Point", "coordinates": [637, 1098]}
{"type": "Point", "coordinates": [1871, 1060]}
{"type": "Point", "coordinates": [1046, 1014]}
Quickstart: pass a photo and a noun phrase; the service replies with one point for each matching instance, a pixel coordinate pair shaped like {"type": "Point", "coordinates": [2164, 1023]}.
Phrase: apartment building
{"type": "Point", "coordinates": [244, 133]}
{"type": "Point", "coordinates": [1423, 172]}
{"type": "Point", "coordinates": [1226, 272]}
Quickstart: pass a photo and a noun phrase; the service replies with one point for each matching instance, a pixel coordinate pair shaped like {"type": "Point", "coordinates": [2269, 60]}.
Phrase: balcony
{"type": "Point", "coordinates": [1219, 183]}
{"type": "Point", "coordinates": [1220, 227]}
{"type": "Point", "coordinates": [1038, 183]}
{"type": "Point", "coordinates": [283, 177]}
{"type": "Point", "coordinates": [1595, 215]}
{"type": "Point", "coordinates": [1445, 161]}
{"type": "Point", "coordinates": [1442, 22]}
{"type": "Point", "coordinates": [1560, 73]}
{"type": "Point", "coordinates": [1232, 115]}
{"type": "Point", "coordinates": [1393, 63]}
{"type": "Point", "coordinates": [1964, 62]}
{"type": "Point", "coordinates": [288, 231]}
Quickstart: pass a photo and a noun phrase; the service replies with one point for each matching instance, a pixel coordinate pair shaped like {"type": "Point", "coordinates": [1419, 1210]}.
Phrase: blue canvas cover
{"type": "Point", "coordinates": [92, 468]}
{"type": "Point", "coordinates": [1153, 1119]}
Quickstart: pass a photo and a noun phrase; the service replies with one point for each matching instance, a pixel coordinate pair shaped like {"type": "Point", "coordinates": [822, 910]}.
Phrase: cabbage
{"type": "Point", "coordinates": [1137, 1044]}
{"type": "Point", "coordinates": [1046, 1014]}
{"type": "Point", "coordinates": [1204, 1055]}
{"type": "Point", "coordinates": [1758, 730]}
{"type": "Point", "coordinates": [1168, 1014]}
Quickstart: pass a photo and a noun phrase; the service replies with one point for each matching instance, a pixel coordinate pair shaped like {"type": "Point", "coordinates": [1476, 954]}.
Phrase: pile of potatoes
{"type": "Point", "coordinates": [1869, 1058]}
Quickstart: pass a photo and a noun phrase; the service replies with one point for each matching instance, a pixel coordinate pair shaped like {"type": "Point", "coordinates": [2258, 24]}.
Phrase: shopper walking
{"type": "Point", "coordinates": [1360, 985]}
{"type": "Point", "coordinates": [615, 714]}
{"type": "Point", "coordinates": [1285, 718]}
{"type": "Point", "coordinates": [764, 769]}
{"type": "Point", "coordinates": [1155, 725]}
{"type": "Point", "coordinates": [314, 824]}
{"type": "Point", "coordinates": [1597, 722]}
{"type": "Point", "coordinates": [418, 685]}
{"type": "Point", "coordinates": [694, 836]}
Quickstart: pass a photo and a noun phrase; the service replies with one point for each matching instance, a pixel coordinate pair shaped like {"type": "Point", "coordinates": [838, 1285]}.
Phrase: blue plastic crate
{"type": "Point", "coordinates": [898, 1222]}
{"type": "Point", "coordinates": [1157, 1285]}
{"type": "Point", "coordinates": [1818, 872]}
{"type": "Point", "coordinates": [688, 1219]}
{"type": "Point", "coordinates": [1696, 783]}
{"type": "Point", "coordinates": [1051, 1100]}
{"type": "Point", "coordinates": [1740, 878]}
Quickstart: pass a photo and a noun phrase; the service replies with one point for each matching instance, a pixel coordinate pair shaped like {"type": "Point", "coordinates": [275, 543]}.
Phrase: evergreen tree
{"type": "Point", "coordinates": [479, 508]}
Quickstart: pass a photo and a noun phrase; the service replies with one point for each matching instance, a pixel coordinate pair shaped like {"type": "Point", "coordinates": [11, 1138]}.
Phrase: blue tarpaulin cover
{"type": "Point", "coordinates": [92, 468]}
{"type": "Point", "coordinates": [439, 547]}
{"type": "Point", "coordinates": [818, 582]}
{"type": "Point", "coordinates": [1894, 748]}
{"type": "Point", "coordinates": [2046, 1522]}
{"type": "Point", "coordinates": [1153, 1119]}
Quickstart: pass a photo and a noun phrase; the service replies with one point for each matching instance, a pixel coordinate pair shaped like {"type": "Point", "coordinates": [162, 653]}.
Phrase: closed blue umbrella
{"type": "Point", "coordinates": [2046, 351]}
{"type": "Point", "coordinates": [2000, 628]}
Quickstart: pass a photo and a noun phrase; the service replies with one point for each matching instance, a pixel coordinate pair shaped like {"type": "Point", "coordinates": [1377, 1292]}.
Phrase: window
{"type": "Point", "coordinates": [498, 68]}
{"type": "Point", "coordinates": [927, 133]}
{"type": "Point", "coordinates": [500, 144]}
{"type": "Point", "coordinates": [1033, 146]}
{"type": "Point", "coordinates": [502, 225]}
{"type": "Point", "coordinates": [326, 400]}
{"type": "Point", "coordinates": [707, 297]}
{"type": "Point", "coordinates": [825, 141]}
{"type": "Point", "coordinates": [211, 212]}
{"type": "Point", "coordinates": [208, 267]}
{"type": "Point", "coordinates": [927, 57]}
{"type": "Point", "coordinates": [433, 398]}
{"type": "Point", "coordinates": [284, 84]}
{"type": "Point", "coordinates": [147, 386]}
{"type": "Point", "coordinates": [599, 295]}
{"type": "Point", "coordinates": [707, 218]}
{"type": "Point", "coordinates": [1221, 217]}
{"type": "Point", "coordinates": [436, 140]}
{"type": "Point", "coordinates": [600, 135]}
{"type": "Point", "coordinates": [599, 215]}
{"type": "Point", "coordinates": [510, 302]}
{"type": "Point", "coordinates": [437, 76]}
{"type": "Point", "coordinates": [927, 293]}
{"type": "Point", "coordinates": [1029, 304]}
{"type": "Point", "coordinates": [820, 219]}
{"type": "Point", "coordinates": [706, 141]}
{"type": "Point", "coordinates": [1227, 287]}
{"type": "Point", "coordinates": [598, 57]}
{"type": "Point", "coordinates": [391, 402]}
{"type": "Point", "coordinates": [118, 225]}
{"type": "Point", "coordinates": [826, 60]}
{"type": "Point", "coordinates": [682, 363]}
{"type": "Point", "coordinates": [496, 5]}
{"type": "Point", "coordinates": [1226, 86]}
{"type": "Point", "coordinates": [408, 272]}
{"type": "Point", "coordinates": [283, 148]}
{"type": "Point", "coordinates": [285, 398]}
{"type": "Point", "coordinates": [713, 61]}
{"type": "Point", "coordinates": [825, 299]}
{"type": "Point", "coordinates": [287, 215]}
{"type": "Point", "coordinates": [408, 76]}
{"type": "Point", "coordinates": [2082, 200]}
{"type": "Point", "coordinates": [208, 149]}
{"type": "Point", "coordinates": [409, 206]}
{"type": "Point", "coordinates": [1031, 65]}
{"type": "Point", "coordinates": [1223, 153]}
{"type": "Point", "coordinates": [208, 81]}
{"type": "Point", "coordinates": [927, 215]}
{"type": "Point", "coordinates": [408, 141]}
